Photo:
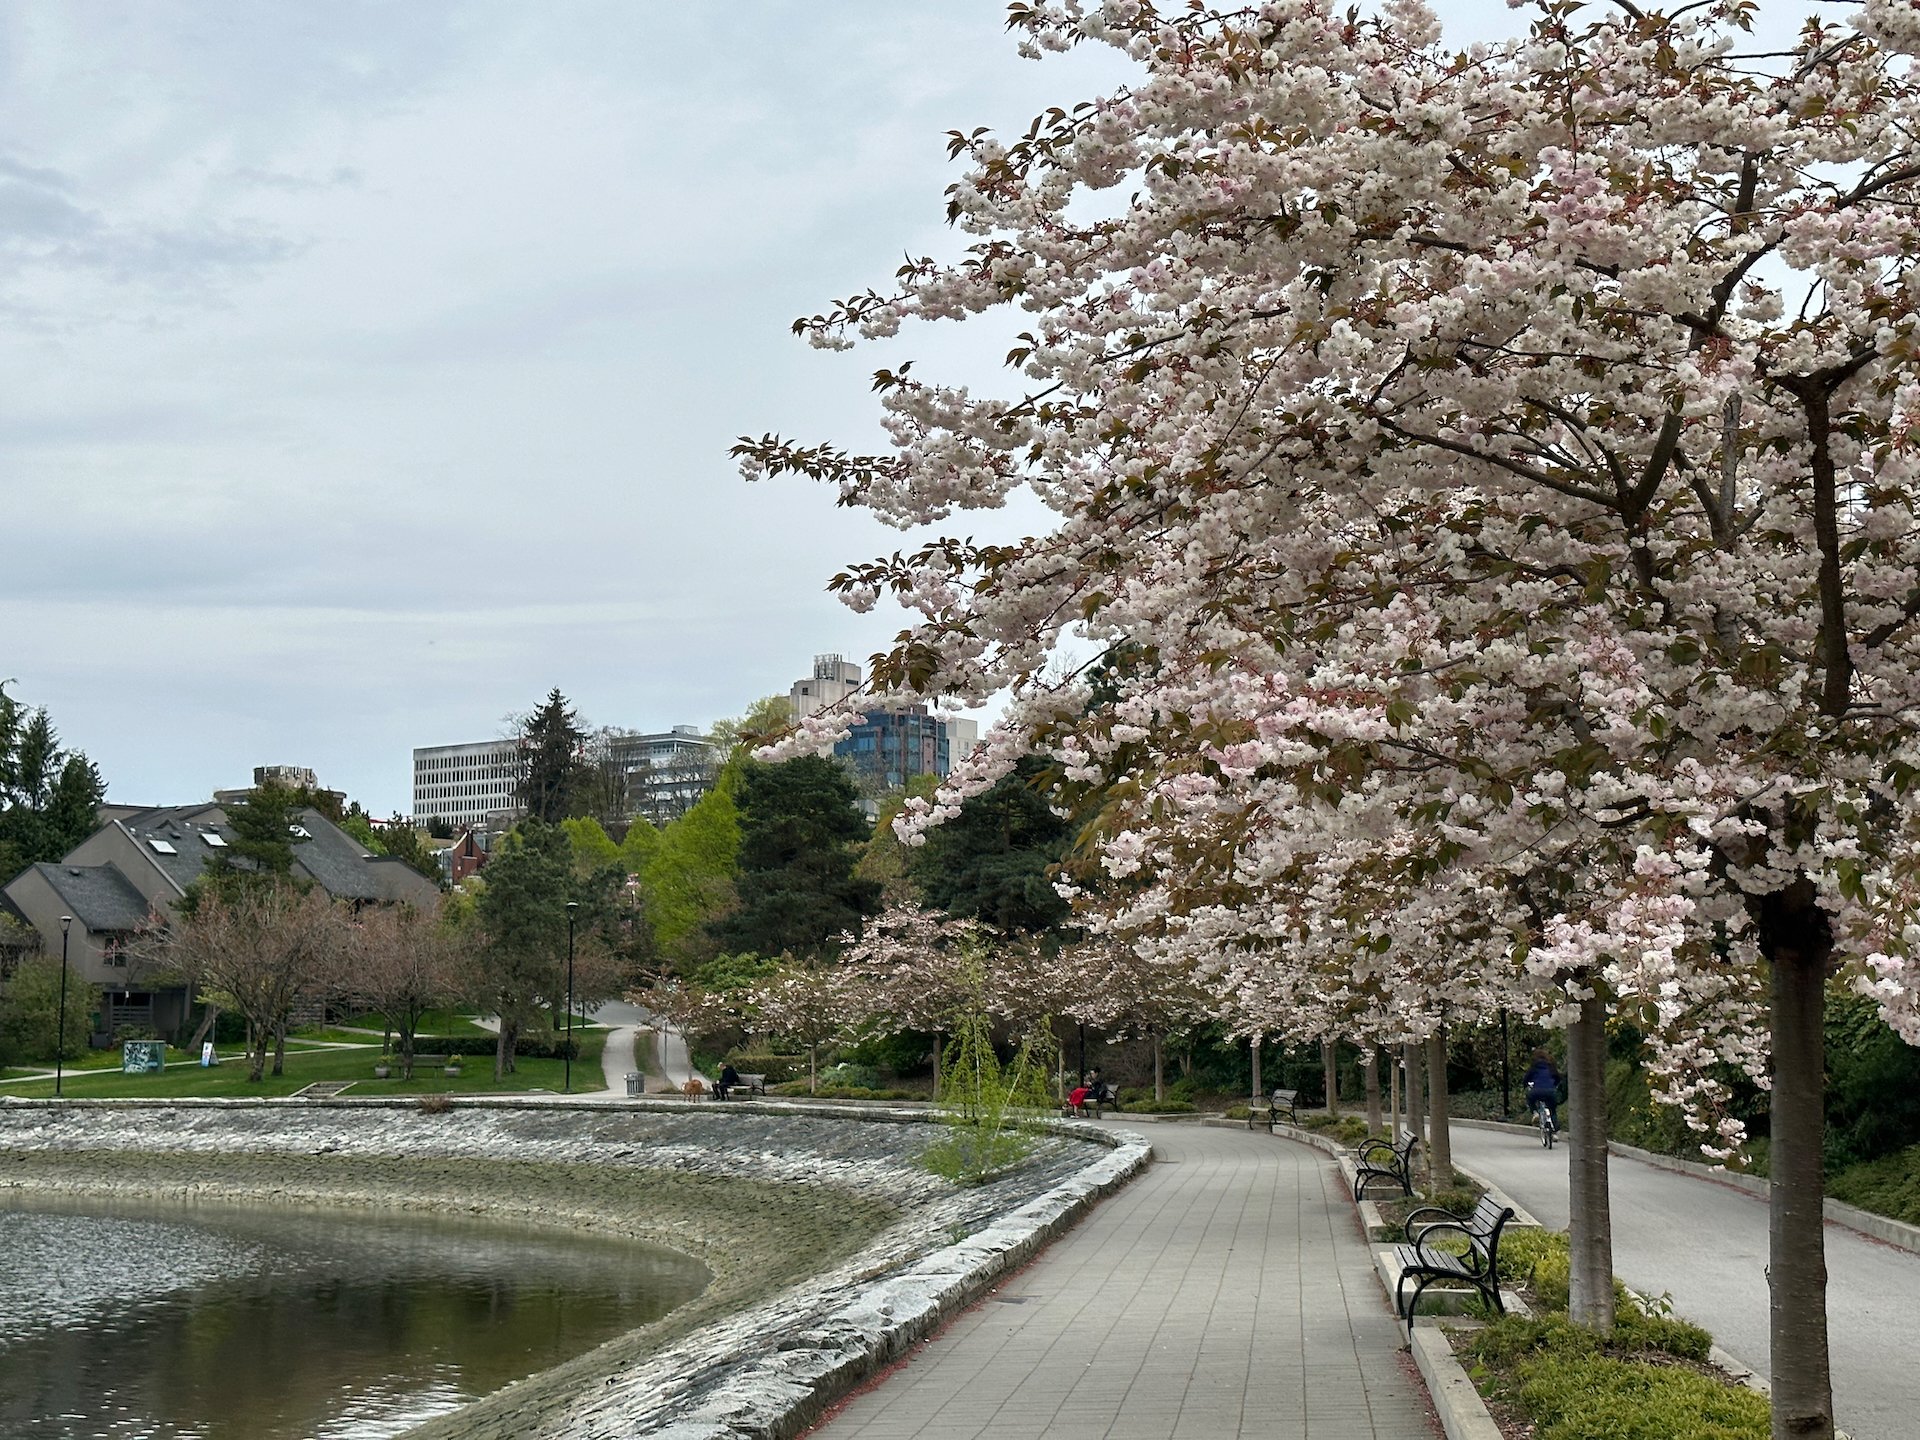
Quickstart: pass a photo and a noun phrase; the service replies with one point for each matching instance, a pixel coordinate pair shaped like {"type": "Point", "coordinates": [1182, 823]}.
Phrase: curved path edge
{"type": "Point", "coordinates": [781, 1392]}
{"type": "Point", "coordinates": [1896, 1233]}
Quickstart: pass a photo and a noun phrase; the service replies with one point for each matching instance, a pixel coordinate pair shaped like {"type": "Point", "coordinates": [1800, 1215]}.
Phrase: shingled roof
{"type": "Point", "coordinates": [98, 896]}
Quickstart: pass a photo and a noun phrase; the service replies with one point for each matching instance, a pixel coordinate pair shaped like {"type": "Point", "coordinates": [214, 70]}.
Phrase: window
{"type": "Point", "coordinates": [163, 847]}
{"type": "Point", "coordinates": [299, 832]}
{"type": "Point", "coordinates": [216, 841]}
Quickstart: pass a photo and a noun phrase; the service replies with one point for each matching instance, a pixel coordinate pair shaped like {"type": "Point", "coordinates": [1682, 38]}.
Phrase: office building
{"type": "Point", "coordinates": [464, 785]}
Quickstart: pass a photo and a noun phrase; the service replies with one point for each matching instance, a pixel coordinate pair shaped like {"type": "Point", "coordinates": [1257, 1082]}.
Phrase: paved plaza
{"type": "Point", "coordinates": [1227, 1292]}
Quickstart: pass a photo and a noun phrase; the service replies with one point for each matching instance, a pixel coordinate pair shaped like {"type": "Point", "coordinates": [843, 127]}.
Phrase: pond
{"type": "Point", "coordinates": [178, 1322]}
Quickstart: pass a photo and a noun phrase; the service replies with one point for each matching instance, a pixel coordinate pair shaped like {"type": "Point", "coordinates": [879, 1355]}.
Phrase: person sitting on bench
{"type": "Point", "coordinates": [729, 1077]}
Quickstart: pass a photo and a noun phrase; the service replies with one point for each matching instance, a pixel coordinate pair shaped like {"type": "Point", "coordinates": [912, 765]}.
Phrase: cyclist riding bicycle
{"type": "Point", "coordinates": [1543, 1086]}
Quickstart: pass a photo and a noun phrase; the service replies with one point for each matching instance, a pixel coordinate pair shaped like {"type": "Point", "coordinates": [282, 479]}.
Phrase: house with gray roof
{"type": "Point", "coordinates": [139, 863]}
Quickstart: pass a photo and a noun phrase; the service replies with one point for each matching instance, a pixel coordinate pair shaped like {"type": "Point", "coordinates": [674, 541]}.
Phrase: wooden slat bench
{"type": "Point", "coordinates": [1478, 1265]}
{"type": "Point", "coordinates": [1279, 1105]}
{"type": "Point", "coordinates": [1378, 1159]}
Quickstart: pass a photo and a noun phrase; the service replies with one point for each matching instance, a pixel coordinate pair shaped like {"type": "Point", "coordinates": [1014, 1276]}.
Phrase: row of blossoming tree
{"type": "Point", "coordinates": [1486, 476]}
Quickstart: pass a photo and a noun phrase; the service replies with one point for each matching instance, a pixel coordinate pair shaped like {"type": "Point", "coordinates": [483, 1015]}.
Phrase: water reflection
{"type": "Point", "coordinates": [199, 1323]}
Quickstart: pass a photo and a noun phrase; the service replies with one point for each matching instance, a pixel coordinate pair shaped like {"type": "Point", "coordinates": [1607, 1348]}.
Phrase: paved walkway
{"type": "Point", "coordinates": [1706, 1245]}
{"type": "Point", "coordinates": [1227, 1292]}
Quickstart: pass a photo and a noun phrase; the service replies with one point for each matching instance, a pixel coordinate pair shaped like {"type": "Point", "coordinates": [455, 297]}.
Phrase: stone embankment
{"type": "Point", "coordinates": [831, 1249]}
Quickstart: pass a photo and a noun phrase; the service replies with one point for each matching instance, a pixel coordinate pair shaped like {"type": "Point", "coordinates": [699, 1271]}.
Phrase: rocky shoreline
{"type": "Point", "coordinates": [830, 1249]}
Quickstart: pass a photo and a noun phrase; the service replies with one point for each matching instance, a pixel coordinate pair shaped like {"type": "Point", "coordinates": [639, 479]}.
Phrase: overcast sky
{"type": "Point", "coordinates": [368, 369]}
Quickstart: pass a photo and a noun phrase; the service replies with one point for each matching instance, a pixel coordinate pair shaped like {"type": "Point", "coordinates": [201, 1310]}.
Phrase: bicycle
{"type": "Point", "coordinates": [1543, 1112]}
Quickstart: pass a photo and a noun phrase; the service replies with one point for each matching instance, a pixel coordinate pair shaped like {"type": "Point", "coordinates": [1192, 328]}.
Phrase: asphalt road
{"type": "Point", "coordinates": [1705, 1245]}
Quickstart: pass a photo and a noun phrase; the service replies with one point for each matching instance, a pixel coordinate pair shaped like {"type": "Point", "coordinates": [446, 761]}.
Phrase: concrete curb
{"type": "Point", "coordinates": [1463, 1415]}
{"type": "Point", "coordinates": [1896, 1233]}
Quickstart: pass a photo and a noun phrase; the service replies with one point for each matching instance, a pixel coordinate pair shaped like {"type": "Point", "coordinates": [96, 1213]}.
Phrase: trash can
{"type": "Point", "coordinates": [636, 1084]}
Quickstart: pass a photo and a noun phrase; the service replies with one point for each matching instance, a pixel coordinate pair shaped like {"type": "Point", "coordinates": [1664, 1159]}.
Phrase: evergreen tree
{"type": "Point", "coordinates": [800, 829]}
{"type": "Point", "coordinates": [399, 839]}
{"type": "Point", "coordinates": [49, 797]}
{"type": "Point", "coordinates": [523, 913]}
{"type": "Point", "coordinates": [990, 861]}
{"type": "Point", "coordinates": [554, 777]}
{"type": "Point", "coordinates": [260, 851]}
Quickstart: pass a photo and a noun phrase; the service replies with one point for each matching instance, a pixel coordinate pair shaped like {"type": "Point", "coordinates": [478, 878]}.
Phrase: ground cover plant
{"type": "Point", "coordinates": [1550, 1379]}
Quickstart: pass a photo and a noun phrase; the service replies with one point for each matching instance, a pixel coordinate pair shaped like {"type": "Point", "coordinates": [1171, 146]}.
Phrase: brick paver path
{"type": "Point", "coordinates": [1227, 1292]}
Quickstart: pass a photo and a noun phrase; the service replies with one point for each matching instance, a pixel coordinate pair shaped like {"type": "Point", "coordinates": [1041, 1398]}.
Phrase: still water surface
{"type": "Point", "coordinates": [175, 1322]}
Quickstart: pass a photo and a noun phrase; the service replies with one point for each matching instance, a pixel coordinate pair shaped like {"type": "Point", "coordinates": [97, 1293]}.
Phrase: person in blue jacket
{"type": "Point", "coordinates": [1543, 1084]}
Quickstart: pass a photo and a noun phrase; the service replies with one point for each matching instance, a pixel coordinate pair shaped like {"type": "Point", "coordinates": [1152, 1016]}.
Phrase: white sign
{"type": "Point", "coordinates": [206, 1054]}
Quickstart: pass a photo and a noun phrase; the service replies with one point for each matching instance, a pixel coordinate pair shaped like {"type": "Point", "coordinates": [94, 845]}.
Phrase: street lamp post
{"type": "Point", "coordinates": [60, 1030]}
{"type": "Point", "coordinates": [567, 1082]}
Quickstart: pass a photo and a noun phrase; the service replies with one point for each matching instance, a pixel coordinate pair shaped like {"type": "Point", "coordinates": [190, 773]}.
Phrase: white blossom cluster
{"type": "Point", "coordinates": [1488, 478]}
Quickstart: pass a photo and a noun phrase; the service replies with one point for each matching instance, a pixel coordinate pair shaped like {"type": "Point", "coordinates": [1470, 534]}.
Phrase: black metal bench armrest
{"type": "Point", "coordinates": [1440, 1210]}
{"type": "Point", "coordinates": [1470, 1260]}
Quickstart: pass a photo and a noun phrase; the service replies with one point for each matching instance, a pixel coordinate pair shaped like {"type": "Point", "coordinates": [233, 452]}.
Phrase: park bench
{"type": "Point", "coordinates": [421, 1062]}
{"type": "Point", "coordinates": [1379, 1160]}
{"type": "Point", "coordinates": [751, 1084]}
{"type": "Point", "coordinates": [1478, 1265]}
{"type": "Point", "coordinates": [1278, 1104]}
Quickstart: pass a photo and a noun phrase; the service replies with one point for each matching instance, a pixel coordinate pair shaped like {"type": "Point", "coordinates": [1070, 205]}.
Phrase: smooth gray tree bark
{"type": "Point", "coordinates": [1370, 1078]}
{"type": "Point", "coordinates": [1330, 1071]}
{"type": "Point", "coordinates": [1590, 1213]}
{"type": "Point", "coordinates": [1797, 938]}
{"type": "Point", "coordinates": [1440, 1147]}
{"type": "Point", "coordinates": [1416, 1112]}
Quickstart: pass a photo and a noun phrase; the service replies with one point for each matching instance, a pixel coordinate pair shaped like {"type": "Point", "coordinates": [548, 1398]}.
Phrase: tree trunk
{"type": "Point", "coordinates": [813, 1068]}
{"type": "Point", "coordinates": [207, 1022]}
{"type": "Point", "coordinates": [1398, 1115]}
{"type": "Point", "coordinates": [280, 1047]}
{"type": "Point", "coordinates": [1253, 1050]}
{"type": "Point", "coordinates": [1159, 1070]}
{"type": "Point", "coordinates": [1797, 1255]}
{"type": "Point", "coordinates": [1370, 1078]}
{"type": "Point", "coordinates": [406, 1053]}
{"type": "Point", "coordinates": [256, 1053]}
{"type": "Point", "coordinates": [936, 1064]}
{"type": "Point", "coordinates": [1330, 1069]}
{"type": "Point", "coordinates": [1590, 1209]}
{"type": "Point", "coordinates": [1441, 1148]}
{"type": "Point", "coordinates": [1410, 1056]}
{"type": "Point", "coordinates": [503, 1049]}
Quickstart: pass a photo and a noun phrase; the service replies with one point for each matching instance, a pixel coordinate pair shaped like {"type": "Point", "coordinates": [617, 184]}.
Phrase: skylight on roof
{"type": "Point", "coordinates": [299, 832]}
{"type": "Point", "coordinates": [217, 841]}
{"type": "Point", "coordinates": [163, 847]}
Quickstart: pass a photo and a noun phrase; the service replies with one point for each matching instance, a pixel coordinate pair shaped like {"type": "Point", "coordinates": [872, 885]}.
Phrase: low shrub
{"type": "Point", "coordinates": [777, 1068]}
{"type": "Point", "coordinates": [1235, 1112]}
{"type": "Point", "coordinates": [1888, 1186]}
{"type": "Point", "coordinates": [1574, 1385]}
{"type": "Point", "coordinates": [850, 1076]}
{"type": "Point", "coordinates": [1646, 1381]}
{"type": "Point", "coordinates": [798, 1090]}
{"type": "Point", "coordinates": [529, 1047]}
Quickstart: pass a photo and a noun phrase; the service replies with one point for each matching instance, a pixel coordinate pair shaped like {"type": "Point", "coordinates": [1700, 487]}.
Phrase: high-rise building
{"type": "Point", "coordinates": [657, 776]}
{"type": "Point", "coordinates": [464, 784]}
{"type": "Point", "coordinates": [665, 774]}
{"type": "Point", "coordinates": [889, 747]}
{"type": "Point", "coordinates": [832, 681]}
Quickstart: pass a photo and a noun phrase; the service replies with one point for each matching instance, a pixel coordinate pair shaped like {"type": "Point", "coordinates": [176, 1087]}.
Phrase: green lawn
{"type": "Point", "coordinates": [229, 1078]}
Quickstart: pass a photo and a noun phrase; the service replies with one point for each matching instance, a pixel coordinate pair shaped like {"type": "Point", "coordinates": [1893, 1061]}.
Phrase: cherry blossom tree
{"type": "Point", "coordinates": [1537, 417]}
{"type": "Point", "coordinates": [401, 962]}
